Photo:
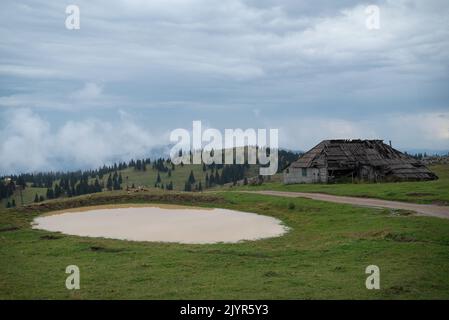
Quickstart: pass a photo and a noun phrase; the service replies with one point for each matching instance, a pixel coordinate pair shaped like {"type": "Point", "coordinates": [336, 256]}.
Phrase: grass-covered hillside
{"type": "Point", "coordinates": [148, 174]}
{"type": "Point", "coordinates": [133, 179]}
{"type": "Point", "coordinates": [323, 256]}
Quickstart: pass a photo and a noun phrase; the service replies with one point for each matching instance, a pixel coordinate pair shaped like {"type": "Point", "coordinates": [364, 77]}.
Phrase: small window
{"type": "Point", "coordinates": [304, 172]}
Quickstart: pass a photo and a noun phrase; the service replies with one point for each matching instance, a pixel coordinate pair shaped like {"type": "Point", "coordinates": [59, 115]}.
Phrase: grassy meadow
{"type": "Point", "coordinates": [436, 192]}
{"type": "Point", "coordinates": [324, 255]}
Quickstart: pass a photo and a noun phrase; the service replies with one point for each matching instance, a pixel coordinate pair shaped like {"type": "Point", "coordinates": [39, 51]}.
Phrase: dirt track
{"type": "Point", "coordinates": [423, 209]}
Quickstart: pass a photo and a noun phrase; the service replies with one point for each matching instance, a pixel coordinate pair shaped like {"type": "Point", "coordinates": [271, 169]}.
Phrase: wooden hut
{"type": "Point", "coordinates": [355, 160]}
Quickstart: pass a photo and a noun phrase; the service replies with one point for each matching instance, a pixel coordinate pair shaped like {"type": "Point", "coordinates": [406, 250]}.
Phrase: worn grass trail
{"type": "Point", "coordinates": [424, 209]}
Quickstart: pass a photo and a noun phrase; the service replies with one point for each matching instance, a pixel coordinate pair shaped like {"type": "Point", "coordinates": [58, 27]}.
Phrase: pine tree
{"type": "Point", "coordinates": [191, 177]}
{"type": "Point", "coordinates": [36, 198]}
{"type": "Point", "coordinates": [13, 203]}
{"type": "Point", "coordinates": [200, 187]}
{"type": "Point", "coordinates": [21, 182]}
{"type": "Point", "coordinates": [109, 183]}
{"type": "Point", "coordinates": [217, 177]}
{"type": "Point", "coordinates": [50, 193]}
{"type": "Point", "coordinates": [117, 184]}
{"type": "Point", "coordinates": [58, 191]}
{"type": "Point", "coordinates": [158, 180]}
{"type": "Point", "coordinates": [97, 186]}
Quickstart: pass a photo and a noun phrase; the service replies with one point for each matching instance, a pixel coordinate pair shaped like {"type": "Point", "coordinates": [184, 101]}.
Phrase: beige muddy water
{"type": "Point", "coordinates": [162, 224]}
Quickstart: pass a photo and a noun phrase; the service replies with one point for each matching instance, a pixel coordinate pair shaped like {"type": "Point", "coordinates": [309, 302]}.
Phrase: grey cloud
{"type": "Point", "coordinates": [407, 131]}
{"type": "Point", "coordinates": [308, 60]}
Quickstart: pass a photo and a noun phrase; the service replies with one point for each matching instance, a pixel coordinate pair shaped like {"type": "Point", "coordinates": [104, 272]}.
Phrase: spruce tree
{"type": "Point", "coordinates": [191, 177]}
{"type": "Point", "coordinates": [97, 186]}
{"type": "Point", "coordinates": [109, 183]}
{"type": "Point", "coordinates": [217, 177]}
{"type": "Point", "coordinates": [57, 192]}
{"type": "Point", "coordinates": [50, 193]}
{"type": "Point", "coordinates": [117, 184]}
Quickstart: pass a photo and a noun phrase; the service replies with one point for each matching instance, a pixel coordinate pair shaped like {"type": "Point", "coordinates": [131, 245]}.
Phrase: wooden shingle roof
{"type": "Point", "coordinates": [351, 154]}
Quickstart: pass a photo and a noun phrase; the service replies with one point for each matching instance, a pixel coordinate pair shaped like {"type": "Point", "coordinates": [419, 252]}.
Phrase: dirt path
{"type": "Point", "coordinates": [423, 209]}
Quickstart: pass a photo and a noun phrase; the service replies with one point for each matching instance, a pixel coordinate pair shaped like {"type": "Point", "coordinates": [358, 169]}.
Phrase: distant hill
{"type": "Point", "coordinates": [158, 173]}
{"type": "Point", "coordinates": [428, 152]}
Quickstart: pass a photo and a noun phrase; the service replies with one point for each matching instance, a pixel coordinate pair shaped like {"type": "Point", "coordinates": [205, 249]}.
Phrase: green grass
{"type": "Point", "coordinates": [130, 176]}
{"type": "Point", "coordinates": [28, 196]}
{"type": "Point", "coordinates": [148, 178]}
{"type": "Point", "coordinates": [178, 176]}
{"type": "Point", "coordinates": [324, 255]}
{"type": "Point", "coordinates": [436, 191]}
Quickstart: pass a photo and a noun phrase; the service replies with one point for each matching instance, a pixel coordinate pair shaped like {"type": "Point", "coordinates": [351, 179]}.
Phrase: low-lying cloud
{"type": "Point", "coordinates": [29, 143]}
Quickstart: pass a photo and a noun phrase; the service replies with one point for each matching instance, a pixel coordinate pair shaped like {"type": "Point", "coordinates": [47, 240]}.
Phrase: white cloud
{"type": "Point", "coordinates": [88, 92]}
{"type": "Point", "coordinates": [24, 142]}
{"type": "Point", "coordinates": [29, 143]}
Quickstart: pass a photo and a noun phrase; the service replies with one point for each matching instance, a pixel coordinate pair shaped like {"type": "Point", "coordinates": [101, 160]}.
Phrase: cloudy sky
{"type": "Point", "coordinates": [136, 69]}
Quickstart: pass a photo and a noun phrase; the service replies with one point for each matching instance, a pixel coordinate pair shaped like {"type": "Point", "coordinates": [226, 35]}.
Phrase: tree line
{"type": "Point", "coordinates": [80, 182]}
